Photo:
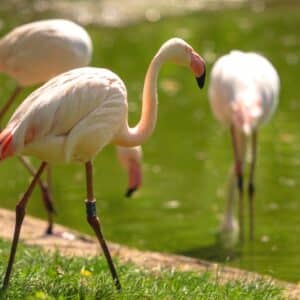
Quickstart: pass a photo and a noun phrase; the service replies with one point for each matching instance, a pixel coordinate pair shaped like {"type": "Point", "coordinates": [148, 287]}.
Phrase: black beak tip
{"type": "Point", "coordinates": [130, 192]}
{"type": "Point", "coordinates": [201, 80]}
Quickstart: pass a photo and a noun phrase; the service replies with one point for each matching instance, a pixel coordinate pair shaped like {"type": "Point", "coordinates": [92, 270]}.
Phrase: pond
{"type": "Point", "coordinates": [186, 162]}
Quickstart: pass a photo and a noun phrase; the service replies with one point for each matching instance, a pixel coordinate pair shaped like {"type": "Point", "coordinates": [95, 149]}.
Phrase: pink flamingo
{"type": "Point", "coordinates": [35, 52]}
{"type": "Point", "coordinates": [74, 115]}
{"type": "Point", "coordinates": [243, 95]}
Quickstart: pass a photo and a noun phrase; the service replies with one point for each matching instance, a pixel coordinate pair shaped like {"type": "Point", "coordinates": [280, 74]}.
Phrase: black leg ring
{"type": "Point", "coordinates": [91, 208]}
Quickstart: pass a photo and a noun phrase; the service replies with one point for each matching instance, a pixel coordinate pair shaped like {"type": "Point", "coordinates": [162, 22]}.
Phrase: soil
{"type": "Point", "coordinates": [72, 243]}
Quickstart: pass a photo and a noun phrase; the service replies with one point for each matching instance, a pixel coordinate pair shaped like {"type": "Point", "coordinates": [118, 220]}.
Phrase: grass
{"type": "Point", "coordinates": [40, 276]}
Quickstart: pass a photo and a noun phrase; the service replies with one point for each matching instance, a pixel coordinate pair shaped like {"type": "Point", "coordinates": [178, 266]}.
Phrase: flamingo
{"type": "Point", "coordinates": [74, 115]}
{"type": "Point", "coordinates": [35, 52]}
{"type": "Point", "coordinates": [243, 94]}
{"type": "Point", "coordinates": [32, 54]}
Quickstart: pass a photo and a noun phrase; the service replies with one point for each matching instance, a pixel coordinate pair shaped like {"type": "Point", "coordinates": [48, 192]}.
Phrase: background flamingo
{"type": "Point", "coordinates": [131, 160]}
{"type": "Point", "coordinates": [243, 95]}
{"type": "Point", "coordinates": [35, 52]}
{"type": "Point", "coordinates": [74, 115]}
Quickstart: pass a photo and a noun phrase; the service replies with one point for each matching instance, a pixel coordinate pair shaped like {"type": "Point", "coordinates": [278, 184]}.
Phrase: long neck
{"type": "Point", "coordinates": [129, 137]}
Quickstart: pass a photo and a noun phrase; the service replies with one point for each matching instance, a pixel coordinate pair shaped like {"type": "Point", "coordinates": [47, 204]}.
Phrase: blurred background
{"type": "Point", "coordinates": [186, 162]}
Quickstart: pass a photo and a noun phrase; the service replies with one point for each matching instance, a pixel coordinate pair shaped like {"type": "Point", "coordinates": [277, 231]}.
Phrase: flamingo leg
{"type": "Point", "coordinates": [251, 189]}
{"type": "Point", "coordinates": [94, 222]}
{"type": "Point", "coordinates": [238, 160]}
{"type": "Point", "coordinates": [49, 180]}
{"type": "Point", "coordinates": [46, 194]}
{"type": "Point", "coordinates": [10, 100]}
{"type": "Point", "coordinates": [20, 213]}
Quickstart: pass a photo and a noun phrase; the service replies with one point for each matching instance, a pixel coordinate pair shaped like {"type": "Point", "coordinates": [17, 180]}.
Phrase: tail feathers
{"type": "Point", "coordinates": [6, 144]}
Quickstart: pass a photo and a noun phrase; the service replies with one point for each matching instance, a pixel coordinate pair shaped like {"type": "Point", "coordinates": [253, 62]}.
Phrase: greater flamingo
{"type": "Point", "coordinates": [243, 93]}
{"type": "Point", "coordinates": [35, 52]}
{"type": "Point", "coordinates": [74, 115]}
{"type": "Point", "coordinates": [32, 54]}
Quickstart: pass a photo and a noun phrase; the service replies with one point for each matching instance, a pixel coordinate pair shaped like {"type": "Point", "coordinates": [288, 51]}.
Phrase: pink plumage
{"type": "Point", "coordinates": [243, 94]}
{"type": "Point", "coordinates": [243, 90]}
{"type": "Point", "coordinates": [75, 114]}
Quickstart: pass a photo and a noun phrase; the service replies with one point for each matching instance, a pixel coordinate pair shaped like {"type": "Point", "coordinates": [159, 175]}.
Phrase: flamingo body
{"type": "Point", "coordinates": [70, 118]}
{"type": "Point", "coordinates": [243, 90]}
{"type": "Point", "coordinates": [35, 52]}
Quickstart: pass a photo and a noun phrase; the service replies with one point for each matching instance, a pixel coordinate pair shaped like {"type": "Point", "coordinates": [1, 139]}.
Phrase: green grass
{"type": "Point", "coordinates": [188, 157]}
{"type": "Point", "coordinates": [37, 276]}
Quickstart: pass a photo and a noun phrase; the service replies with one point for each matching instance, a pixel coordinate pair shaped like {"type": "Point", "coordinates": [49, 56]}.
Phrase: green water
{"type": "Point", "coordinates": [188, 157]}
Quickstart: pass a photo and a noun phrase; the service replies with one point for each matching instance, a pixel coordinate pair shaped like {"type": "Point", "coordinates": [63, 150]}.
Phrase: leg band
{"type": "Point", "coordinates": [91, 208]}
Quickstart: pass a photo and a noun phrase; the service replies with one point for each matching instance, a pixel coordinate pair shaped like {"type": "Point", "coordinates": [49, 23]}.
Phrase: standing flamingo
{"type": "Point", "coordinates": [243, 95]}
{"type": "Point", "coordinates": [35, 52]}
{"type": "Point", "coordinates": [32, 54]}
{"type": "Point", "coordinates": [74, 115]}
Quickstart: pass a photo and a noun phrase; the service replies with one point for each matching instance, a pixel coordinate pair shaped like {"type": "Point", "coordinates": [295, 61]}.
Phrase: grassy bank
{"type": "Point", "coordinates": [43, 276]}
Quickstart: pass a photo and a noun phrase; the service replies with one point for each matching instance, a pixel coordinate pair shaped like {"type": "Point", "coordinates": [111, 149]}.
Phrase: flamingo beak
{"type": "Point", "coordinates": [130, 192]}
{"type": "Point", "coordinates": [198, 68]}
{"type": "Point", "coordinates": [134, 178]}
{"type": "Point", "coordinates": [201, 80]}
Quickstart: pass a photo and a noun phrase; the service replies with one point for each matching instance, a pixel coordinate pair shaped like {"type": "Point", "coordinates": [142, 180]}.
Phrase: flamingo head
{"type": "Point", "coordinates": [181, 53]}
{"type": "Point", "coordinates": [131, 160]}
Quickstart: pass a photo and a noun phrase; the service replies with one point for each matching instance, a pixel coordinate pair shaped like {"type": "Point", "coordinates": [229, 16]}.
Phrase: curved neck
{"type": "Point", "coordinates": [130, 137]}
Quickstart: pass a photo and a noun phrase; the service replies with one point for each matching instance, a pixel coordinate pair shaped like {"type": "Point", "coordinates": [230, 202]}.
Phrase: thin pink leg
{"type": "Point", "coordinates": [94, 222]}
{"type": "Point", "coordinates": [239, 176]}
{"type": "Point", "coordinates": [46, 195]}
{"type": "Point", "coordinates": [10, 100]}
{"type": "Point", "coordinates": [251, 189]}
{"type": "Point", "coordinates": [20, 213]}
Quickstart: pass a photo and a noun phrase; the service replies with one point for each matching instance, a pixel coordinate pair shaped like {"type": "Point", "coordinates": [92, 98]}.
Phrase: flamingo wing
{"type": "Point", "coordinates": [69, 108]}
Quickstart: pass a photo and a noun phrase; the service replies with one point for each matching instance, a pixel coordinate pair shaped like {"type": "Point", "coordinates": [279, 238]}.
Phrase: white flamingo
{"type": "Point", "coordinates": [243, 95]}
{"type": "Point", "coordinates": [74, 115]}
{"type": "Point", "coordinates": [35, 52]}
